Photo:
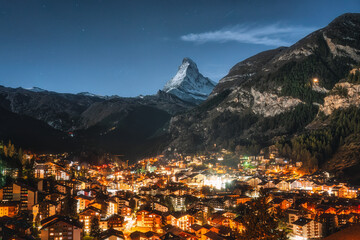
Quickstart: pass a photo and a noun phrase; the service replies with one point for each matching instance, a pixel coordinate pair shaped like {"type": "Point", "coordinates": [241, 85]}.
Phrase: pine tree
{"type": "Point", "coordinates": [261, 222]}
{"type": "Point", "coordinates": [95, 228]}
{"type": "Point", "coordinates": [69, 207]}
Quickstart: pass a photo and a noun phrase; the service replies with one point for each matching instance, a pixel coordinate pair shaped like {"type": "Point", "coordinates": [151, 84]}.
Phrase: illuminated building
{"type": "Point", "coordinates": [27, 195]}
{"type": "Point", "coordinates": [178, 203]}
{"type": "Point", "coordinates": [43, 210]}
{"type": "Point", "coordinates": [112, 207]}
{"type": "Point", "coordinates": [180, 220]}
{"type": "Point", "coordinates": [124, 210]}
{"type": "Point", "coordinates": [87, 216]}
{"type": "Point", "coordinates": [148, 220]}
{"type": "Point", "coordinates": [60, 228]}
{"type": "Point", "coordinates": [160, 207]}
{"type": "Point", "coordinates": [9, 208]}
{"type": "Point", "coordinates": [115, 221]}
{"type": "Point", "coordinates": [83, 202]}
{"type": "Point", "coordinates": [307, 228]}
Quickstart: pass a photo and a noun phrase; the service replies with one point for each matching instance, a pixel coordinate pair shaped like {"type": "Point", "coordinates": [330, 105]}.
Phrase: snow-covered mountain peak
{"type": "Point", "coordinates": [188, 61]}
{"type": "Point", "coordinates": [189, 84]}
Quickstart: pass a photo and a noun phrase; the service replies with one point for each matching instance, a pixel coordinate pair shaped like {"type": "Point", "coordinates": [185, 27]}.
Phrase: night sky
{"type": "Point", "coordinates": [128, 48]}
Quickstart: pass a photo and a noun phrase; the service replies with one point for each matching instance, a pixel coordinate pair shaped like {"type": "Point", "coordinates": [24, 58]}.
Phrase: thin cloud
{"type": "Point", "coordinates": [271, 35]}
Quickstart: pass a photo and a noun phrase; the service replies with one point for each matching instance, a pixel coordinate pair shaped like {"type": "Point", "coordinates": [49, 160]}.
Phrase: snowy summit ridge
{"type": "Point", "coordinates": [189, 84]}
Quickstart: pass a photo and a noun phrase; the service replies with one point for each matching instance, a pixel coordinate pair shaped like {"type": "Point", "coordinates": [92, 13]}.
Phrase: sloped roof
{"type": "Point", "coordinates": [302, 221]}
{"type": "Point", "coordinates": [111, 232]}
{"type": "Point", "coordinates": [57, 218]}
{"type": "Point", "coordinates": [350, 233]}
{"type": "Point", "coordinates": [214, 236]}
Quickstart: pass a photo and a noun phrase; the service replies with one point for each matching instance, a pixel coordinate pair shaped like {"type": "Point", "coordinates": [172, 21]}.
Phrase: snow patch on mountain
{"type": "Point", "coordinates": [88, 94]}
{"type": "Point", "coordinates": [36, 89]}
{"type": "Point", "coordinates": [189, 84]}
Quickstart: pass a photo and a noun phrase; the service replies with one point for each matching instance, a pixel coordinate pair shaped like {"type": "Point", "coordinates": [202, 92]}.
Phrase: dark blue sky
{"type": "Point", "coordinates": [133, 47]}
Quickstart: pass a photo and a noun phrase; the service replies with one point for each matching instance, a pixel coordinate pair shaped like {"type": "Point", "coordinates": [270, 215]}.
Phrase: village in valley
{"type": "Point", "coordinates": [179, 197]}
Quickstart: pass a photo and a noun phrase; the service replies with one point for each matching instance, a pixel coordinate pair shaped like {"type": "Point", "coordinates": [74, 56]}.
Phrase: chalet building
{"type": "Point", "coordinates": [307, 228]}
{"type": "Point", "coordinates": [18, 228]}
{"type": "Point", "coordinates": [62, 188]}
{"type": "Point", "coordinates": [26, 195]}
{"type": "Point", "coordinates": [181, 220]}
{"type": "Point", "coordinates": [200, 231]}
{"type": "Point", "coordinates": [344, 219]}
{"type": "Point", "coordinates": [239, 227]}
{"type": "Point", "coordinates": [147, 220]}
{"type": "Point", "coordinates": [124, 210]}
{"type": "Point", "coordinates": [103, 224]}
{"type": "Point", "coordinates": [55, 197]}
{"type": "Point", "coordinates": [294, 215]}
{"type": "Point", "coordinates": [178, 203]}
{"type": "Point", "coordinates": [44, 210]}
{"type": "Point", "coordinates": [347, 192]}
{"type": "Point", "coordinates": [307, 185]}
{"type": "Point", "coordinates": [44, 169]}
{"type": "Point", "coordinates": [296, 184]}
{"type": "Point", "coordinates": [283, 185]}
{"type": "Point", "coordinates": [83, 202]}
{"type": "Point", "coordinates": [87, 215]}
{"type": "Point", "coordinates": [115, 222]}
{"type": "Point", "coordinates": [222, 220]}
{"type": "Point", "coordinates": [159, 207]}
{"type": "Point", "coordinates": [9, 208]}
{"type": "Point", "coordinates": [253, 182]}
{"type": "Point", "coordinates": [283, 204]}
{"type": "Point", "coordinates": [60, 228]}
{"type": "Point", "coordinates": [62, 174]}
{"type": "Point", "coordinates": [112, 207]}
{"type": "Point", "coordinates": [111, 234]}
{"type": "Point", "coordinates": [195, 180]}
{"type": "Point", "coordinates": [329, 222]}
{"type": "Point", "coordinates": [121, 201]}
{"type": "Point", "coordinates": [173, 232]}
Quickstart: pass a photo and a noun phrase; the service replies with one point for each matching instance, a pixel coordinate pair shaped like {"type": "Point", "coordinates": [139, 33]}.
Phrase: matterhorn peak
{"type": "Point", "coordinates": [189, 61]}
{"type": "Point", "coordinates": [189, 84]}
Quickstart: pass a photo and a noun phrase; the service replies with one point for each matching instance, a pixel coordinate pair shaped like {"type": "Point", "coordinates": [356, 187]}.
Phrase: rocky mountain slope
{"type": "Point", "coordinates": [83, 121]}
{"type": "Point", "coordinates": [343, 95]}
{"type": "Point", "coordinates": [189, 84]}
{"type": "Point", "coordinates": [272, 93]}
{"type": "Point", "coordinates": [269, 98]}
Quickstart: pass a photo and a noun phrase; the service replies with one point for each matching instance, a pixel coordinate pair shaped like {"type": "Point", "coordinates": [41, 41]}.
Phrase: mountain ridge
{"type": "Point", "coordinates": [266, 95]}
{"type": "Point", "coordinates": [269, 95]}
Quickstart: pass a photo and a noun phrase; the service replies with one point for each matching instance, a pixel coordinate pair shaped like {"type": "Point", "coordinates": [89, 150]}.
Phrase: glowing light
{"type": "Point", "coordinates": [297, 238]}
